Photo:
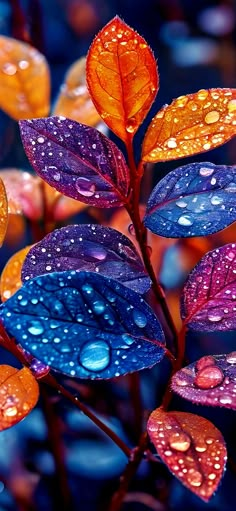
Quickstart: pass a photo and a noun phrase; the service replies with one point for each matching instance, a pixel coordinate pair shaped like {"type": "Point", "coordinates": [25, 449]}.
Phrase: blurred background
{"type": "Point", "coordinates": [194, 43]}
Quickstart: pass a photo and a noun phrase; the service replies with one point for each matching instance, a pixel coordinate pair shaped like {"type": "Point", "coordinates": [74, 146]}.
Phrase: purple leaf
{"type": "Point", "coordinates": [210, 381]}
{"type": "Point", "coordinates": [84, 325]}
{"type": "Point", "coordinates": [77, 160]}
{"type": "Point", "coordinates": [194, 200]}
{"type": "Point", "coordinates": [89, 248]}
{"type": "Point", "coordinates": [208, 301]}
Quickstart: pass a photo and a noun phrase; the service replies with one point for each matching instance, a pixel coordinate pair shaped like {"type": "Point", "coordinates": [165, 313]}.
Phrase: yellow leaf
{"type": "Point", "coordinates": [11, 274]}
{"type": "Point", "coordinates": [3, 212]}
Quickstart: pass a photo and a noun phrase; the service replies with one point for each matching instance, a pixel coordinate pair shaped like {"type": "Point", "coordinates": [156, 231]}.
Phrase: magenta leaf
{"type": "Point", "coordinates": [194, 200]}
{"type": "Point", "coordinates": [85, 325]}
{"type": "Point", "coordinates": [77, 160]}
{"type": "Point", "coordinates": [208, 300]}
{"type": "Point", "coordinates": [210, 381]}
{"type": "Point", "coordinates": [90, 248]}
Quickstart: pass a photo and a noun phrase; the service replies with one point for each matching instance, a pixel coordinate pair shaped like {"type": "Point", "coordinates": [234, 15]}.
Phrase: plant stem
{"type": "Point", "coordinates": [177, 364]}
{"type": "Point", "coordinates": [19, 25]}
{"type": "Point", "coordinates": [136, 400]}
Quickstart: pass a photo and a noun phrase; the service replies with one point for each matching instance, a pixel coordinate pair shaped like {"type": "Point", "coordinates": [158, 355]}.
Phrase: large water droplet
{"type": "Point", "coordinates": [185, 220]}
{"type": "Point", "coordinates": [128, 339]}
{"type": "Point", "coordinates": [85, 187]}
{"type": "Point", "coordinates": [139, 318]}
{"type": "Point", "coordinates": [35, 328]}
{"type": "Point", "coordinates": [209, 377]}
{"type": "Point", "coordinates": [204, 171]}
{"type": "Point", "coordinates": [194, 477]}
{"type": "Point", "coordinates": [98, 252]}
{"type": "Point", "coordinates": [181, 203]}
{"type": "Point", "coordinates": [216, 201]}
{"type": "Point", "coordinates": [204, 362]}
{"type": "Point", "coordinates": [95, 356]}
{"type": "Point", "coordinates": [99, 307]}
{"type": "Point", "coordinates": [9, 69]}
{"type": "Point", "coordinates": [215, 316]}
{"type": "Point", "coordinates": [11, 411]}
{"type": "Point", "coordinates": [171, 143]}
{"type": "Point", "coordinates": [231, 357]}
{"type": "Point", "coordinates": [212, 117]}
{"type": "Point", "coordinates": [180, 441]}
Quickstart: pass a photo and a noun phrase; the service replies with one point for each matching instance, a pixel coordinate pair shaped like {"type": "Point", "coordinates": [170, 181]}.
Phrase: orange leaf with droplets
{"type": "Point", "coordinates": [74, 100]}
{"type": "Point", "coordinates": [23, 193]}
{"type": "Point", "coordinates": [3, 212]}
{"type": "Point", "coordinates": [19, 394]}
{"type": "Point", "coordinates": [24, 80]}
{"type": "Point", "coordinates": [122, 77]}
{"type": "Point", "coordinates": [192, 448]}
{"type": "Point", "coordinates": [11, 274]}
{"type": "Point", "coordinates": [191, 124]}
{"type": "Point", "coordinates": [15, 230]}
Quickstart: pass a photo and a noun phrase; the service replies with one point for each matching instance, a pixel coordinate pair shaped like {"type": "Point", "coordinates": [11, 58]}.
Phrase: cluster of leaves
{"type": "Point", "coordinates": [81, 309]}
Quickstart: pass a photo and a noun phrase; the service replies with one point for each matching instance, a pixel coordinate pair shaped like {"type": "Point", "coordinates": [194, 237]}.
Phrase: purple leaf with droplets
{"type": "Point", "coordinates": [208, 300]}
{"type": "Point", "coordinates": [89, 248]}
{"type": "Point", "coordinates": [84, 325]}
{"type": "Point", "coordinates": [210, 381]}
{"type": "Point", "coordinates": [77, 160]}
{"type": "Point", "coordinates": [194, 200]}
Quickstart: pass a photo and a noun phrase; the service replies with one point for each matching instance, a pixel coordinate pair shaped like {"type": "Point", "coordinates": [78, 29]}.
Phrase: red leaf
{"type": "Point", "coordinates": [192, 448]}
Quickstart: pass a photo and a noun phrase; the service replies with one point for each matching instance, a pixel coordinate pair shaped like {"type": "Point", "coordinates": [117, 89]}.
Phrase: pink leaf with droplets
{"type": "Point", "coordinates": [209, 297]}
{"type": "Point", "coordinates": [192, 448]}
{"type": "Point", "coordinates": [210, 381]}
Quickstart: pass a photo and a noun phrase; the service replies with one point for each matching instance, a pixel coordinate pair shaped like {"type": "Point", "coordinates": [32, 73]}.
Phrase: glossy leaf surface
{"type": "Point", "coordinates": [25, 80]}
{"type": "Point", "coordinates": [89, 248]}
{"type": "Point", "coordinates": [192, 448]}
{"type": "Point", "coordinates": [74, 100]}
{"type": "Point", "coordinates": [11, 274]}
{"type": "Point", "coordinates": [122, 77]}
{"type": "Point", "coordinates": [3, 212]}
{"type": "Point", "coordinates": [84, 325]}
{"type": "Point", "coordinates": [23, 193]}
{"type": "Point", "coordinates": [191, 124]}
{"type": "Point", "coordinates": [209, 295]}
{"type": "Point", "coordinates": [19, 394]}
{"type": "Point", "coordinates": [195, 200]}
{"type": "Point", "coordinates": [210, 381]}
{"type": "Point", "coordinates": [77, 160]}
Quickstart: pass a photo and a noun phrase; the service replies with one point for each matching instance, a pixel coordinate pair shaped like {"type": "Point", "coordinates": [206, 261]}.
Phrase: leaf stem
{"type": "Point", "coordinates": [177, 364]}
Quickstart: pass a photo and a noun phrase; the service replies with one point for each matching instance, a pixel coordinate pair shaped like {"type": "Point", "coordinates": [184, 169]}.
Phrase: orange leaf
{"type": "Point", "coordinates": [122, 77]}
{"type": "Point", "coordinates": [74, 100]}
{"type": "Point", "coordinates": [15, 230]}
{"type": "Point", "coordinates": [192, 448]}
{"type": "Point", "coordinates": [191, 124]}
{"type": "Point", "coordinates": [24, 80]}
{"type": "Point", "coordinates": [19, 394]}
{"type": "Point", "coordinates": [23, 193]}
{"type": "Point", "coordinates": [11, 274]}
{"type": "Point", "coordinates": [3, 212]}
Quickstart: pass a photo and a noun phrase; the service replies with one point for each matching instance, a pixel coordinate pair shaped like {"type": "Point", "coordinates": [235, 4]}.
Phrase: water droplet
{"type": "Point", "coordinates": [98, 252]}
{"type": "Point", "coordinates": [41, 140]}
{"type": "Point", "coordinates": [87, 288]}
{"type": "Point", "coordinates": [36, 328]}
{"type": "Point", "coordinates": [181, 203]}
{"type": "Point", "coordinates": [139, 318]}
{"type": "Point", "coordinates": [232, 105]}
{"type": "Point", "coordinates": [215, 200]}
{"type": "Point", "coordinates": [204, 171]}
{"type": "Point", "coordinates": [39, 369]}
{"type": "Point", "coordinates": [180, 441]}
{"type": "Point", "coordinates": [202, 94]}
{"type": "Point", "coordinates": [185, 220]}
{"type": "Point", "coordinates": [200, 448]}
{"type": "Point", "coordinates": [212, 476]}
{"type": "Point", "coordinates": [209, 377]}
{"type": "Point", "coordinates": [128, 339]}
{"type": "Point", "coordinates": [204, 362]}
{"type": "Point", "coordinates": [79, 318]}
{"type": "Point", "coordinates": [171, 143]}
{"type": "Point", "coordinates": [85, 187]}
{"type": "Point", "coordinates": [95, 356]}
{"type": "Point", "coordinates": [226, 400]}
{"type": "Point", "coordinates": [9, 69]}
{"type": "Point", "coordinates": [231, 357]}
{"type": "Point", "coordinates": [215, 316]}
{"type": "Point", "coordinates": [194, 477]}
{"type": "Point", "coordinates": [131, 229]}
{"type": "Point", "coordinates": [181, 101]}
{"type": "Point", "coordinates": [131, 127]}
{"type": "Point", "coordinates": [212, 117]}
{"type": "Point", "coordinates": [99, 307]}
{"type": "Point", "coordinates": [23, 64]}
{"type": "Point", "coordinates": [11, 411]}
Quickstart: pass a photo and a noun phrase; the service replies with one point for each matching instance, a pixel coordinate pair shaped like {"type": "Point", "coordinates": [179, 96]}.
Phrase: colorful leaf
{"type": "Point", "coordinates": [74, 100]}
{"type": "Point", "coordinates": [90, 248]}
{"type": "Point", "coordinates": [25, 80]}
{"type": "Point", "coordinates": [122, 77]}
{"type": "Point", "coordinates": [191, 124]}
{"type": "Point", "coordinates": [84, 325]}
{"type": "Point", "coordinates": [23, 193]}
{"type": "Point", "coordinates": [11, 274]}
{"type": "Point", "coordinates": [192, 448]}
{"type": "Point", "coordinates": [77, 160]}
{"type": "Point", "coordinates": [210, 381]}
{"type": "Point", "coordinates": [3, 212]}
{"type": "Point", "coordinates": [195, 200]}
{"type": "Point", "coordinates": [19, 394]}
{"type": "Point", "coordinates": [209, 296]}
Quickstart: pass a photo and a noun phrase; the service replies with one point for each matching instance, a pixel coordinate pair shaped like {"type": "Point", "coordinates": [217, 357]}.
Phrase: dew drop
{"type": "Point", "coordinates": [216, 201]}
{"type": "Point", "coordinates": [194, 477]}
{"type": "Point", "coordinates": [97, 252]}
{"type": "Point", "coordinates": [85, 187]}
{"type": "Point", "coordinates": [204, 362]}
{"type": "Point", "coordinates": [171, 143]}
{"type": "Point", "coordinates": [87, 288]}
{"type": "Point", "coordinates": [232, 105]}
{"type": "Point", "coordinates": [180, 441]}
{"type": "Point", "coordinates": [128, 339]}
{"type": "Point", "coordinates": [212, 117]}
{"type": "Point", "coordinates": [99, 307]}
{"type": "Point", "coordinates": [215, 316]}
{"type": "Point", "coordinates": [40, 140]}
{"type": "Point", "coordinates": [39, 369]}
{"type": "Point", "coordinates": [131, 127]}
{"type": "Point", "coordinates": [9, 69]}
{"type": "Point", "coordinates": [225, 400]}
{"type": "Point", "coordinates": [205, 172]}
{"type": "Point", "coordinates": [139, 318]}
{"type": "Point", "coordinates": [131, 229]}
{"type": "Point", "coordinates": [11, 411]}
{"type": "Point", "coordinates": [231, 357]}
{"type": "Point", "coordinates": [209, 377]}
{"type": "Point", "coordinates": [95, 356]}
{"type": "Point", "coordinates": [202, 94]}
{"type": "Point", "coordinates": [185, 221]}
{"type": "Point", "coordinates": [181, 203]}
{"type": "Point", "coordinates": [36, 328]}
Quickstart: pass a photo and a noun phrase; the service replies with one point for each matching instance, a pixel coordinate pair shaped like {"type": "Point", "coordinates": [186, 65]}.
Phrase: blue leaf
{"type": "Point", "coordinates": [85, 325]}
{"type": "Point", "coordinates": [195, 200]}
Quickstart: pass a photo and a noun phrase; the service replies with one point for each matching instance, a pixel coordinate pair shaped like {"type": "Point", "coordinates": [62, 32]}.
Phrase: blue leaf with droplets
{"type": "Point", "coordinates": [89, 248]}
{"type": "Point", "coordinates": [85, 325]}
{"type": "Point", "coordinates": [77, 160]}
{"type": "Point", "coordinates": [194, 200]}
